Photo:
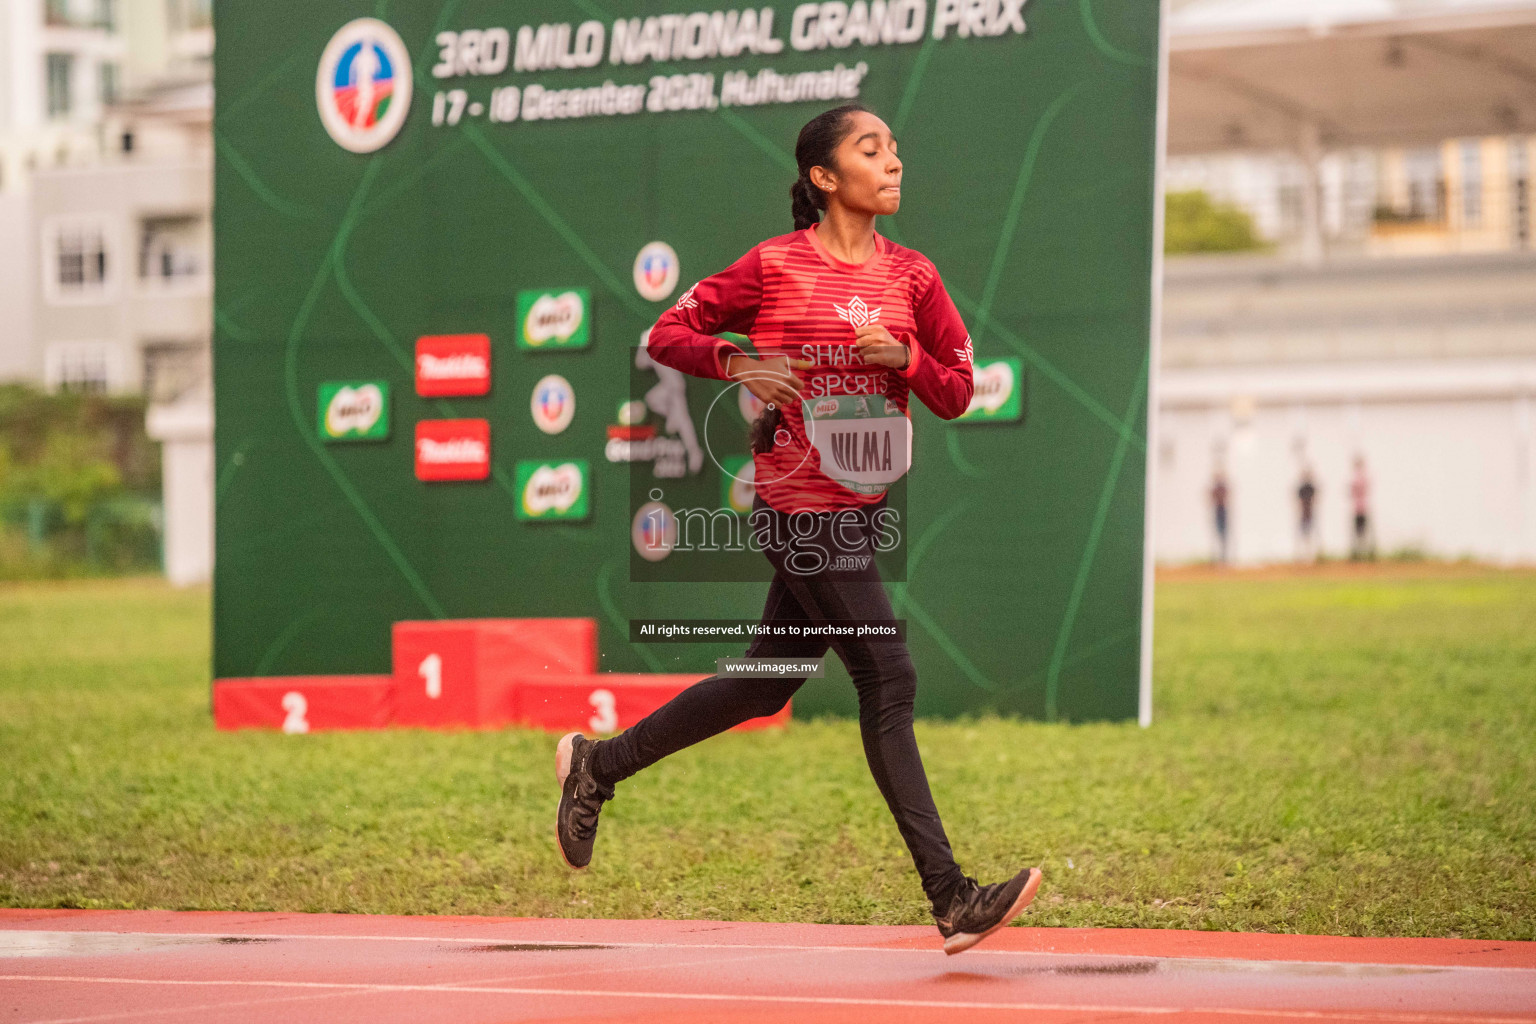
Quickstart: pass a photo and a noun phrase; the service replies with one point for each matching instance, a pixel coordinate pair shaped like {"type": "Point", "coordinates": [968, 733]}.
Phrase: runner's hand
{"type": "Point", "coordinates": [877, 346]}
{"type": "Point", "coordinates": [769, 379]}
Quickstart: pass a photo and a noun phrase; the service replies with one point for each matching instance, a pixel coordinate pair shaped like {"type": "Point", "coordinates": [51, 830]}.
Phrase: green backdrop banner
{"type": "Point", "coordinates": [441, 222]}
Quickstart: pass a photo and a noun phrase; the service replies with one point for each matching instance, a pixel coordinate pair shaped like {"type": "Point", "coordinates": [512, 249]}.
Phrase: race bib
{"type": "Point", "coordinates": [865, 441]}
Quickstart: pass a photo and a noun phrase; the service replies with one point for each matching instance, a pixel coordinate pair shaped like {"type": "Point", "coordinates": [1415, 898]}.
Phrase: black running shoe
{"type": "Point", "coordinates": [581, 798]}
{"type": "Point", "coordinates": [976, 911]}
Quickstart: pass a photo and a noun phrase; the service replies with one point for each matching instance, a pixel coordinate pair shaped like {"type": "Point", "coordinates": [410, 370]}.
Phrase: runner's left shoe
{"type": "Point", "coordinates": [976, 911]}
{"type": "Point", "coordinates": [581, 798]}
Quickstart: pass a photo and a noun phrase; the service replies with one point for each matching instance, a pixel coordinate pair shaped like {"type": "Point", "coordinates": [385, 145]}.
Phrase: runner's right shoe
{"type": "Point", "coordinates": [976, 911]}
{"type": "Point", "coordinates": [581, 798]}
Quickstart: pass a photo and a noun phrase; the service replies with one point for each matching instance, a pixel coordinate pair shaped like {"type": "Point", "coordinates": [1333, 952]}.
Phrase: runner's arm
{"type": "Point", "coordinates": [683, 336]}
{"type": "Point", "coordinates": [939, 370]}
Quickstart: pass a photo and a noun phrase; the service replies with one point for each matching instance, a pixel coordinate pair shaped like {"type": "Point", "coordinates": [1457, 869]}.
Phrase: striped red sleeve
{"type": "Point", "coordinates": [683, 336]}
{"type": "Point", "coordinates": [940, 369]}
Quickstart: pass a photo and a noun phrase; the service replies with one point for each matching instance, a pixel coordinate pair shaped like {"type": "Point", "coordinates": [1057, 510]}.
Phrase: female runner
{"type": "Point", "coordinates": [870, 324]}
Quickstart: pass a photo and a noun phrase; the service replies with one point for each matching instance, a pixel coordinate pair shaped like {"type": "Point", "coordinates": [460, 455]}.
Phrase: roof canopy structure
{"type": "Point", "coordinates": [1306, 75]}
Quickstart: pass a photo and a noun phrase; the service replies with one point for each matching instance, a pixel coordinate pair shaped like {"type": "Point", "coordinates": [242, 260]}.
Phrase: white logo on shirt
{"type": "Point", "coordinates": [857, 313]}
{"type": "Point", "coordinates": [965, 353]}
{"type": "Point", "coordinates": [686, 300]}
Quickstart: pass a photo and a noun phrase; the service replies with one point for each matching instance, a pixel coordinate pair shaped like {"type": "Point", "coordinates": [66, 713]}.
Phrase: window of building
{"type": "Point", "coordinates": [106, 14]}
{"type": "Point", "coordinates": [77, 262]}
{"type": "Point", "coordinates": [109, 84]}
{"type": "Point", "coordinates": [56, 12]}
{"type": "Point", "coordinates": [1472, 183]}
{"type": "Point", "coordinates": [82, 259]}
{"type": "Point", "coordinates": [172, 248]}
{"type": "Point", "coordinates": [61, 68]}
{"type": "Point", "coordinates": [78, 366]}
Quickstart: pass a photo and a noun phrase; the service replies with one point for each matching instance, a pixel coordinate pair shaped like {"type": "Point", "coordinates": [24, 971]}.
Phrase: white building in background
{"type": "Point", "coordinates": [1385, 147]}
{"type": "Point", "coordinates": [105, 193]}
{"type": "Point", "coordinates": [1463, 195]}
{"type": "Point", "coordinates": [1269, 187]}
{"type": "Point", "coordinates": [60, 67]}
{"type": "Point", "coordinates": [1423, 367]}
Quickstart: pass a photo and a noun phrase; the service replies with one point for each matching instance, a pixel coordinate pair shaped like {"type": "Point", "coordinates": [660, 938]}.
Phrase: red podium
{"type": "Point", "coordinates": [465, 672]}
{"type": "Point", "coordinates": [607, 702]}
{"type": "Point", "coordinates": [301, 704]}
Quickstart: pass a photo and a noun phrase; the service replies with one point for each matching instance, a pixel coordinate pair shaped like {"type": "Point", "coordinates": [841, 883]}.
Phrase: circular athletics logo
{"type": "Point", "coordinates": [653, 531]}
{"type": "Point", "coordinates": [553, 404]}
{"type": "Point", "coordinates": [656, 271]}
{"type": "Point", "coordinates": [363, 87]}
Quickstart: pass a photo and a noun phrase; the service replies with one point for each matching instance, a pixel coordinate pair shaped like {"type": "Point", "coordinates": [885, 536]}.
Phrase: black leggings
{"type": "Point", "coordinates": [882, 674]}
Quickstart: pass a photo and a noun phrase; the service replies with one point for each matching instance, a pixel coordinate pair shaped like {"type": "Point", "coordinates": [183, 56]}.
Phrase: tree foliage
{"type": "Point", "coordinates": [1197, 223]}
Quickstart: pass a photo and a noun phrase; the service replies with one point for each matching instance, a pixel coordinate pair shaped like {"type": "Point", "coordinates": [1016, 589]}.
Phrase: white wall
{"type": "Point", "coordinates": [19, 358]}
{"type": "Point", "coordinates": [1450, 449]}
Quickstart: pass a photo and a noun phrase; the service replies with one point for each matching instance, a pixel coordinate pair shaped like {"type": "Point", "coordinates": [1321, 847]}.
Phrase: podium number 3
{"type": "Point", "coordinates": [607, 717]}
{"type": "Point", "coordinates": [297, 707]}
{"type": "Point", "coordinates": [431, 672]}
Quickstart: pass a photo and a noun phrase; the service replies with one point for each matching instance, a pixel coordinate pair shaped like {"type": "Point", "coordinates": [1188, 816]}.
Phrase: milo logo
{"type": "Point", "coordinates": [551, 491]}
{"type": "Point", "coordinates": [553, 319]}
{"type": "Point", "coordinates": [825, 407]}
{"type": "Point", "coordinates": [354, 411]}
{"type": "Point", "coordinates": [999, 391]}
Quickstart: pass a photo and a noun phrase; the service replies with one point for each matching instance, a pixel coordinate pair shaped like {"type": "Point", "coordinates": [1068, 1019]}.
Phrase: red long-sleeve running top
{"type": "Point", "coordinates": [791, 296]}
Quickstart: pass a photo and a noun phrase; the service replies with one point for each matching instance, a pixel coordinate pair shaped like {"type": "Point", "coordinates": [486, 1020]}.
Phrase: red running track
{"type": "Point", "coordinates": [79, 965]}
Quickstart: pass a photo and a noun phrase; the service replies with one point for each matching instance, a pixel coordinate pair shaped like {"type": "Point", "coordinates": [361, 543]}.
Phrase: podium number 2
{"type": "Point", "coordinates": [297, 707]}
{"type": "Point", "coordinates": [431, 672]}
{"type": "Point", "coordinates": [607, 717]}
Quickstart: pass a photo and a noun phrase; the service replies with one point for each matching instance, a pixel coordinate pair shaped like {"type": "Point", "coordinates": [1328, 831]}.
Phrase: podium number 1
{"type": "Point", "coordinates": [431, 672]}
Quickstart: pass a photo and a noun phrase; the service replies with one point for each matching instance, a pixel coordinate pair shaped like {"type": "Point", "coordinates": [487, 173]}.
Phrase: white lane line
{"type": "Point", "coordinates": [161, 1011]}
{"type": "Point", "coordinates": [315, 997]}
{"type": "Point", "coordinates": [604, 969]}
{"type": "Point", "coordinates": [1387, 1017]}
{"type": "Point", "coordinates": [1255, 963]}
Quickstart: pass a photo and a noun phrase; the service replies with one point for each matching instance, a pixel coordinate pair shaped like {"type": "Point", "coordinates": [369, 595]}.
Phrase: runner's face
{"type": "Point", "coordinates": [868, 174]}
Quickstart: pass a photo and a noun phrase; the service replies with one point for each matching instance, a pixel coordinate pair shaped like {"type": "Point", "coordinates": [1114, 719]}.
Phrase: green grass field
{"type": "Point", "coordinates": [1343, 753]}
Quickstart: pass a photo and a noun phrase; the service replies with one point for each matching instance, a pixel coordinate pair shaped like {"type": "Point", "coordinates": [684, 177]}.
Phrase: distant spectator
{"type": "Point", "coordinates": [1306, 501]}
{"type": "Point", "coordinates": [1219, 507]}
{"type": "Point", "coordinates": [1362, 544]}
